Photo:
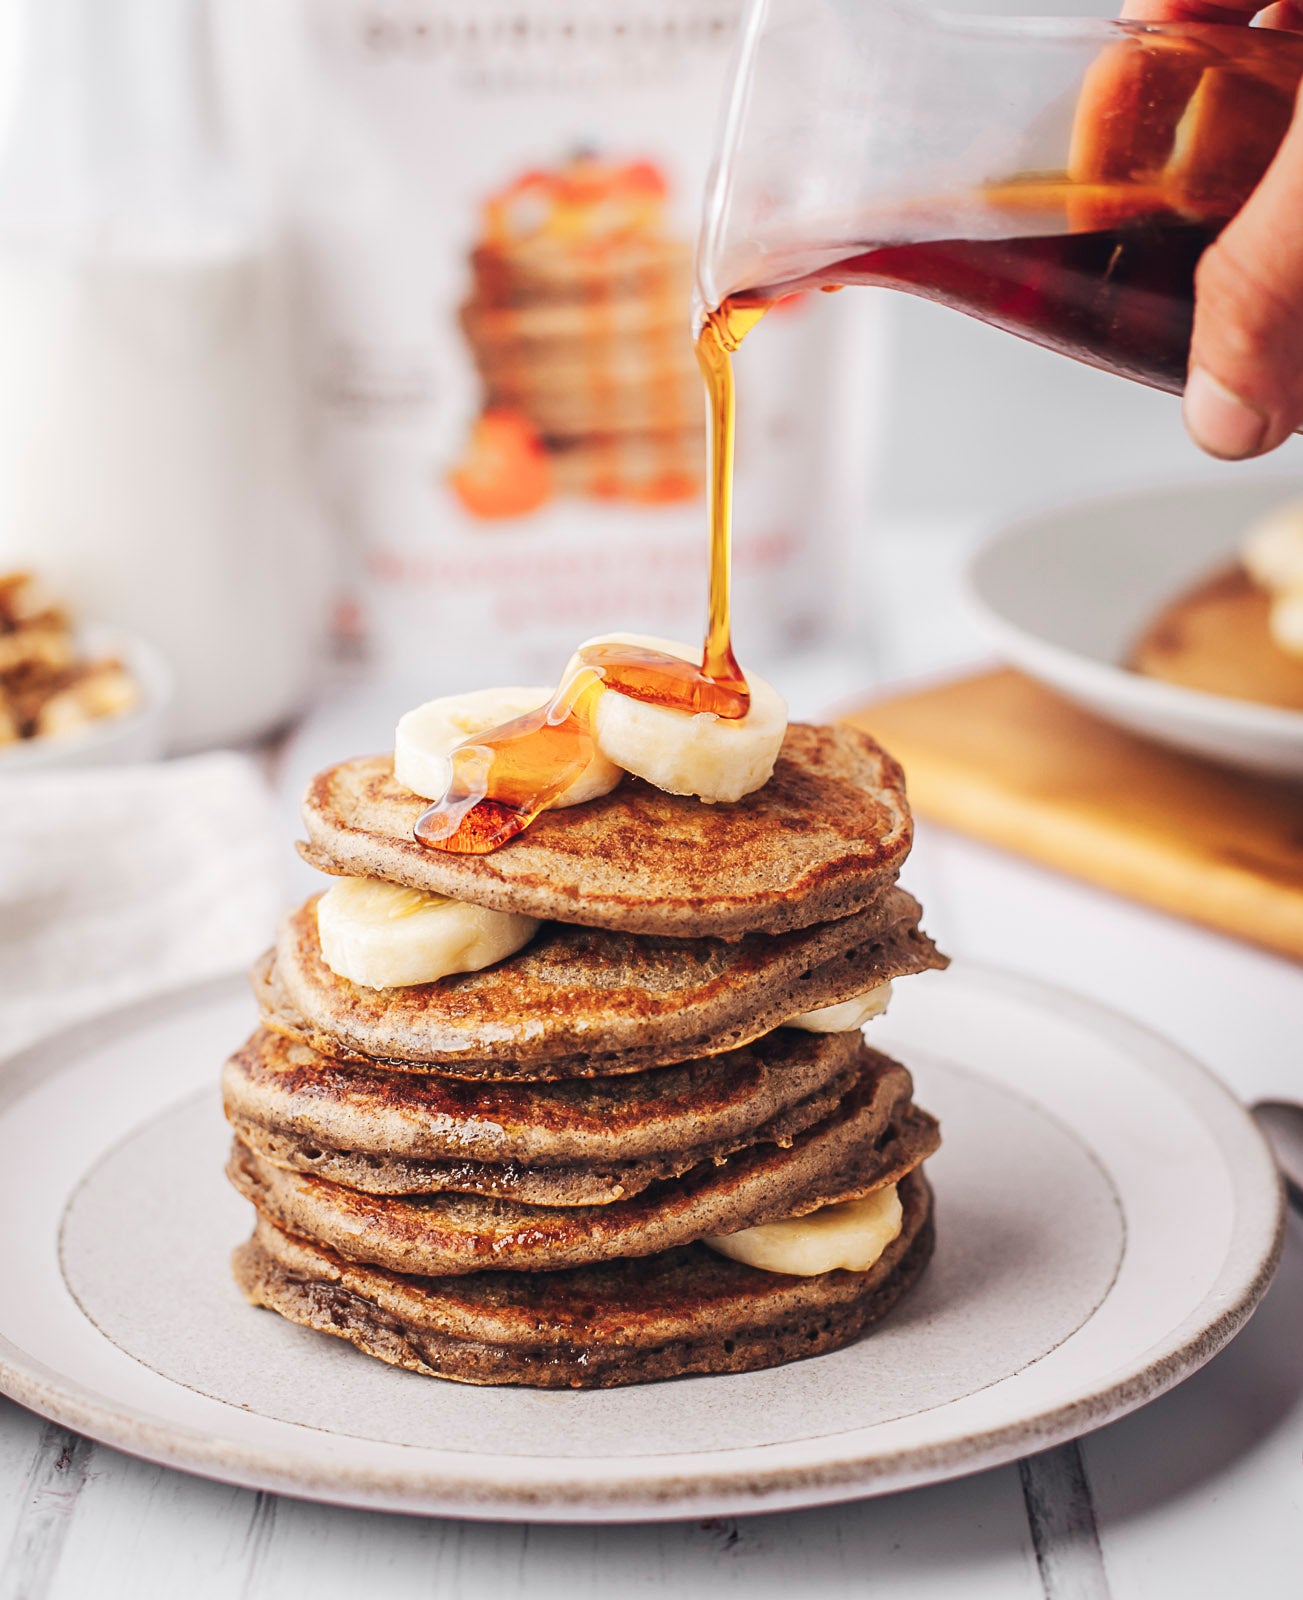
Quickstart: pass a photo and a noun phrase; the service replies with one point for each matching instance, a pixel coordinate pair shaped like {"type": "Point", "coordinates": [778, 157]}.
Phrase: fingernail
{"type": "Point", "coordinates": [1219, 421]}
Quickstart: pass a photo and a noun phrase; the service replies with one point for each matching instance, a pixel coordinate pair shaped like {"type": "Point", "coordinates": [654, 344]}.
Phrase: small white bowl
{"type": "Point", "coordinates": [136, 735]}
{"type": "Point", "coordinates": [1065, 594]}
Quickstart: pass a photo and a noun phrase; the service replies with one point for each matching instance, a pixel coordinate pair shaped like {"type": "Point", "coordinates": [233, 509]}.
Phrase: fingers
{"type": "Point", "coordinates": [1236, 120]}
{"type": "Point", "coordinates": [1188, 11]}
{"type": "Point", "coordinates": [1170, 120]}
{"type": "Point", "coordinates": [1244, 395]}
{"type": "Point", "coordinates": [1131, 101]}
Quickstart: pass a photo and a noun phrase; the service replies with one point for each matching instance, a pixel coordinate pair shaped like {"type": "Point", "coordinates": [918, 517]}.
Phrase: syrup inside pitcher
{"type": "Point", "coordinates": [1057, 179]}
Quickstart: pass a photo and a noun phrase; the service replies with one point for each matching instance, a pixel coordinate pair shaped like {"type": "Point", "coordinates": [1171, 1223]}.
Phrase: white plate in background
{"type": "Point", "coordinates": [1064, 595]}
{"type": "Point", "coordinates": [1107, 1217]}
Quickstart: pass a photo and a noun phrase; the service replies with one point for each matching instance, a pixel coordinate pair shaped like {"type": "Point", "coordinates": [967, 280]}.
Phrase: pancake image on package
{"type": "Point", "coordinates": [576, 325]}
{"type": "Point", "coordinates": [594, 1105]}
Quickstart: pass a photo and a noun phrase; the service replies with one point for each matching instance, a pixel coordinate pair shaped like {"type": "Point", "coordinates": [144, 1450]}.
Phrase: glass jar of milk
{"type": "Point", "coordinates": [149, 440]}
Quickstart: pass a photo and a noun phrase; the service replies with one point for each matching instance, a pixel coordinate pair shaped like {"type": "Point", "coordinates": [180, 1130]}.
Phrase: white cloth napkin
{"type": "Point", "coordinates": [123, 882]}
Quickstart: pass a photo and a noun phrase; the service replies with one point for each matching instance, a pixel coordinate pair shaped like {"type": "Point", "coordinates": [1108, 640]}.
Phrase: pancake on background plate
{"type": "Point", "coordinates": [1238, 631]}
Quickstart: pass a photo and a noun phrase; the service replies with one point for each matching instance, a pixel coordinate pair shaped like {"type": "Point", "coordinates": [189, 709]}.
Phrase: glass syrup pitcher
{"type": "Point", "coordinates": [1057, 178]}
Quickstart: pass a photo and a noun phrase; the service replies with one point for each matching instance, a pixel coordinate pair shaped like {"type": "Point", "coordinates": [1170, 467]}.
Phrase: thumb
{"type": "Point", "coordinates": [1244, 394]}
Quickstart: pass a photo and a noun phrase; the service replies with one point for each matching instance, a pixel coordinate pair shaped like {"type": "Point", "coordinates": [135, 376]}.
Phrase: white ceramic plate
{"type": "Point", "coordinates": [1108, 1216]}
{"type": "Point", "coordinates": [1064, 595]}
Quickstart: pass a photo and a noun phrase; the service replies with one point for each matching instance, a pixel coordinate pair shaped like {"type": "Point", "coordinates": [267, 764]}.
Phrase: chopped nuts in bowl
{"type": "Point", "coordinates": [70, 696]}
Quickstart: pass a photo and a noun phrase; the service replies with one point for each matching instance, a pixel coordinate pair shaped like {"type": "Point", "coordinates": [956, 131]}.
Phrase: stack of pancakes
{"type": "Point", "coordinates": [575, 321]}
{"type": "Point", "coordinates": [507, 1176]}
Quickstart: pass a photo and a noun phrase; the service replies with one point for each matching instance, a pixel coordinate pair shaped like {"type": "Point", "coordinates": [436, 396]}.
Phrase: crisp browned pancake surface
{"type": "Point", "coordinates": [537, 1186]}
{"type": "Point", "coordinates": [680, 1312]}
{"type": "Point", "coordinates": [872, 1138]}
{"type": "Point", "coordinates": [820, 840]}
{"type": "Point", "coordinates": [582, 1142]}
{"type": "Point", "coordinates": [584, 1002]}
{"type": "Point", "coordinates": [1214, 637]}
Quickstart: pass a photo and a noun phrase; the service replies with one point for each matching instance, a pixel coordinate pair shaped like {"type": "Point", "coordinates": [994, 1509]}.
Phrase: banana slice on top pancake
{"type": "Point", "coordinates": [684, 752]}
{"type": "Point", "coordinates": [427, 736]}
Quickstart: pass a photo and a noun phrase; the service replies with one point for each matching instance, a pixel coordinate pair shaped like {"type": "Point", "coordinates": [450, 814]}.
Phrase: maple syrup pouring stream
{"type": "Point", "coordinates": [504, 778]}
{"type": "Point", "coordinates": [719, 336]}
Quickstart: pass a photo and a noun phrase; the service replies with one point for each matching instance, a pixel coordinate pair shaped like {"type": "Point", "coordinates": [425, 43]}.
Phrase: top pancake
{"type": "Point", "coordinates": [823, 837]}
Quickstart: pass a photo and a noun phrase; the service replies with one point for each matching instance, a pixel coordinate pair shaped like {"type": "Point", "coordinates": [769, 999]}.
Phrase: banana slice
{"type": "Point", "coordinates": [384, 936]}
{"type": "Point", "coordinates": [1272, 550]}
{"type": "Point", "coordinates": [848, 1014]}
{"type": "Point", "coordinates": [851, 1235]}
{"type": "Point", "coordinates": [1285, 620]}
{"type": "Point", "coordinates": [425, 736]}
{"type": "Point", "coordinates": [714, 758]}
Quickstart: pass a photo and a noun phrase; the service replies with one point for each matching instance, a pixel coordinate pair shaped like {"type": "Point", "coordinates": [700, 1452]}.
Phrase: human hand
{"type": "Point", "coordinates": [1244, 392]}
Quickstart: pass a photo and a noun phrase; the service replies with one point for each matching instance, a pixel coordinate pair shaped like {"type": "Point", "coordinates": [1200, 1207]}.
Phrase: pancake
{"type": "Point", "coordinates": [583, 1142]}
{"type": "Point", "coordinates": [670, 1315]}
{"type": "Point", "coordinates": [873, 1138]}
{"type": "Point", "coordinates": [1215, 636]}
{"type": "Point", "coordinates": [819, 841]}
{"type": "Point", "coordinates": [535, 1186]}
{"type": "Point", "coordinates": [578, 1002]}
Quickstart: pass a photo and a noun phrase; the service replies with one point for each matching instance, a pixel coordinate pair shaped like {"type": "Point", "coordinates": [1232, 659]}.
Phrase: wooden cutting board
{"type": "Point", "coordinates": [996, 756]}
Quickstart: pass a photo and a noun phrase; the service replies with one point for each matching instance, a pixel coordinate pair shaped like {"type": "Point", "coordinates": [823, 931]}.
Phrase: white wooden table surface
{"type": "Point", "coordinates": [1200, 1494]}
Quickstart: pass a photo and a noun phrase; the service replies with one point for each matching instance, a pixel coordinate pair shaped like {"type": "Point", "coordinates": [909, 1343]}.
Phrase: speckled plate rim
{"type": "Point", "coordinates": [534, 1494]}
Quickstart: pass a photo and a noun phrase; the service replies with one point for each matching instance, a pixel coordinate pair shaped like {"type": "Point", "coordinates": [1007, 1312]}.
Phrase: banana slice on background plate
{"type": "Point", "coordinates": [851, 1235]}
{"type": "Point", "coordinates": [691, 753]}
{"type": "Point", "coordinates": [384, 936]}
{"type": "Point", "coordinates": [426, 736]}
{"type": "Point", "coordinates": [1272, 553]}
{"type": "Point", "coordinates": [847, 1014]}
{"type": "Point", "coordinates": [1285, 621]}
{"type": "Point", "coordinates": [1272, 549]}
